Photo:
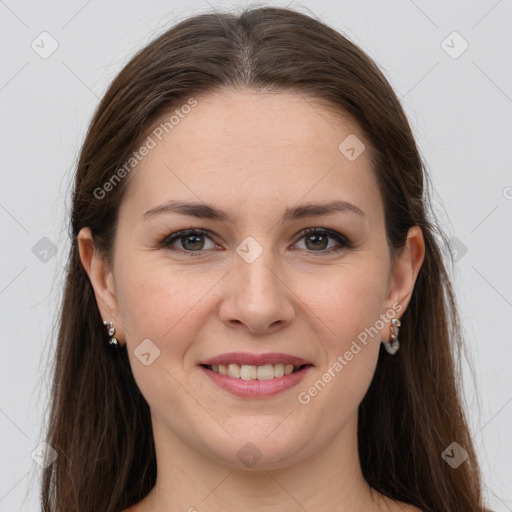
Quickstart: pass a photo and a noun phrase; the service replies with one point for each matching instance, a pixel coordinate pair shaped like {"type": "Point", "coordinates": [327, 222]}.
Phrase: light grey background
{"type": "Point", "coordinates": [460, 110]}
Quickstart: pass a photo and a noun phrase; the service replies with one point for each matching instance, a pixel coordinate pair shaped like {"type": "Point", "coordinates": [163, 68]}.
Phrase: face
{"type": "Point", "coordinates": [251, 286]}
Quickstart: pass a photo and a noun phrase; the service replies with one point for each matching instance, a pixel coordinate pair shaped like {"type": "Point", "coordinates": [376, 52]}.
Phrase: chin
{"type": "Point", "coordinates": [257, 450]}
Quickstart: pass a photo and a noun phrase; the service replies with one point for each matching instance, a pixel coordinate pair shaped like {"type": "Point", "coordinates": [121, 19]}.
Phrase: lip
{"type": "Point", "coordinates": [256, 388]}
{"type": "Point", "coordinates": [256, 359]}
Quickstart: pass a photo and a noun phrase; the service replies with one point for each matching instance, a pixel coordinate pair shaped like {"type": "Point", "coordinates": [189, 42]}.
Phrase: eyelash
{"type": "Point", "coordinates": [342, 240]}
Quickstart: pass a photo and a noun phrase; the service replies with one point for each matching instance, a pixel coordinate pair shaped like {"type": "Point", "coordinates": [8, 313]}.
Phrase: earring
{"type": "Point", "coordinates": [111, 340]}
{"type": "Point", "coordinates": [393, 345]}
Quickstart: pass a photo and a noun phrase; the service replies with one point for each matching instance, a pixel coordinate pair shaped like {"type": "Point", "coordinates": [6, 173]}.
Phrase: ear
{"type": "Point", "coordinates": [403, 276]}
{"type": "Point", "coordinates": [102, 280]}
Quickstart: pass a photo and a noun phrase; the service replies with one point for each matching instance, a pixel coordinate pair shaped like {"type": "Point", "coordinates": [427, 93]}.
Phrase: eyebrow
{"type": "Point", "coordinates": [205, 211]}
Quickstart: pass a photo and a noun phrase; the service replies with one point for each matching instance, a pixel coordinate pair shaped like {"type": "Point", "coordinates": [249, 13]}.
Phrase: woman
{"type": "Point", "coordinates": [257, 314]}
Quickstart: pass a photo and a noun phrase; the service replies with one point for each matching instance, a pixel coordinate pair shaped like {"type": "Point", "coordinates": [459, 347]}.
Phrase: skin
{"type": "Point", "coordinates": [254, 154]}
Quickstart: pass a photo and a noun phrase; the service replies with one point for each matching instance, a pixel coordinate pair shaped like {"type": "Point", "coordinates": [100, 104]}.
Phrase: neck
{"type": "Point", "coordinates": [330, 479]}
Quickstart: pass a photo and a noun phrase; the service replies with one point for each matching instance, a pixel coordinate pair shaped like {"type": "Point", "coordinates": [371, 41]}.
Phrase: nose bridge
{"type": "Point", "coordinates": [259, 297]}
{"type": "Point", "coordinates": [258, 265]}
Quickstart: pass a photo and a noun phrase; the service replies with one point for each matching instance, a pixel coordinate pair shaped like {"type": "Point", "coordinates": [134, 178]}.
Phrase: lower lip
{"type": "Point", "coordinates": [256, 388]}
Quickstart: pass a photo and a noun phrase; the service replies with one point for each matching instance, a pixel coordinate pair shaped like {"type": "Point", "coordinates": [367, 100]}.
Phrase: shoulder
{"type": "Point", "coordinates": [406, 507]}
{"type": "Point", "coordinates": [409, 508]}
{"type": "Point", "coordinates": [399, 506]}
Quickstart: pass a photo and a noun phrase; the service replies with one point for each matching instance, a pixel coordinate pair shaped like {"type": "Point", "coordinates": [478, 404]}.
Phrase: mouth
{"type": "Point", "coordinates": [255, 372]}
{"type": "Point", "coordinates": [248, 375]}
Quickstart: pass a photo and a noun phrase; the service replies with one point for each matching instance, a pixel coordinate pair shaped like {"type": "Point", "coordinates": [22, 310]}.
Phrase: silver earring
{"type": "Point", "coordinates": [393, 345]}
{"type": "Point", "coordinates": [111, 340]}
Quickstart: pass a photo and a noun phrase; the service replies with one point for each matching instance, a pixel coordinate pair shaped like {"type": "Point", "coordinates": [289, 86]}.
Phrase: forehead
{"type": "Point", "coordinates": [237, 148]}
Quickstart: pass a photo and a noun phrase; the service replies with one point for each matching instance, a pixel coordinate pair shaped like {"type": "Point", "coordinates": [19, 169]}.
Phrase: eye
{"type": "Point", "coordinates": [316, 239]}
{"type": "Point", "coordinates": [192, 241]}
{"type": "Point", "coordinates": [188, 240]}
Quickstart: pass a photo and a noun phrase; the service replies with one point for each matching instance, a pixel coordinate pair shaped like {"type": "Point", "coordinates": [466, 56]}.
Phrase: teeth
{"type": "Point", "coordinates": [252, 372]}
{"type": "Point", "coordinates": [248, 372]}
{"type": "Point", "coordinates": [233, 370]}
{"type": "Point", "coordinates": [265, 372]}
{"type": "Point", "coordinates": [278, 370]}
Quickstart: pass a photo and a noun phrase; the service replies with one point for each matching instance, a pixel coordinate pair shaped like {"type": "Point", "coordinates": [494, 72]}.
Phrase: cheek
{"type": "Point", "coordinates": [345, 301]}
{"type": "Point", "coordinates": [351, 306]}
{"type": "Point", "coordinates": [350, 339]}
{"type": "Point", "coordinates": [158, 309]}
{"type": "Point", "coordinates": [348, 306]}
{"type": "Point", "coordinates": [156, 300]}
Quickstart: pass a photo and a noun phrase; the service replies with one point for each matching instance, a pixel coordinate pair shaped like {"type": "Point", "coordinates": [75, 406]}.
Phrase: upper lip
{"type": "Point", "coordinates": [255, 359]}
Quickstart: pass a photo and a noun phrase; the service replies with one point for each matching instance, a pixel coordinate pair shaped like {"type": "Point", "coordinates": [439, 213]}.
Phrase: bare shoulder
{"type": "Point", "coordinates": [405, 507]}
{"type": "Point", "coordinates": [140, 506]}
{"type": "Point", "coordinates": [398, 506]}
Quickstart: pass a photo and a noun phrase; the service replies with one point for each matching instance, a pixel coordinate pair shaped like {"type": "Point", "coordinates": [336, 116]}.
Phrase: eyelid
{"type": "Point", "coordinates": [343, 241]}
{"type": "Point", "coordinates": [166, 242]}
{"type": "Point", "coordinates": [340, 238]}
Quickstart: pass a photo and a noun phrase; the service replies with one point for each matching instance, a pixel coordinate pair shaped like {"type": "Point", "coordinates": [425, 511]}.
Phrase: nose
{"type": "Point", "coordinates": [258, 297]}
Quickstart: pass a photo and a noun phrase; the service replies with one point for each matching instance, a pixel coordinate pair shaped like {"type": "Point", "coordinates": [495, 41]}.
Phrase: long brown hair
{"type": "Point", "coordinates": [99, 422]}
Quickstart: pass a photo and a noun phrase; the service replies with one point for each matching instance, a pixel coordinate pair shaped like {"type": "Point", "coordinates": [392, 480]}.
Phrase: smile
{"type": "Point", "coordinates": [253, 372]}
{"type": "Point", "coordinates": [255, 381]}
